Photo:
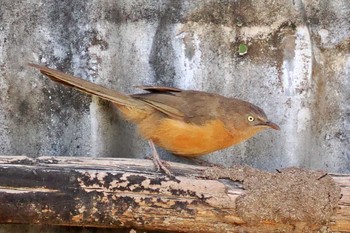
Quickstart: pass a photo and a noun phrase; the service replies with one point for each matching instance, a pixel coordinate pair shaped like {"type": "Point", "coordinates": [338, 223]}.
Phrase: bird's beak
{"type": "Point", "coordinates": [272, 125]}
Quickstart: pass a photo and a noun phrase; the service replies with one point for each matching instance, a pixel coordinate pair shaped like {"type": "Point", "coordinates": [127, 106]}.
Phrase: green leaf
{"type": "Point", "coordinates": [243, 49]}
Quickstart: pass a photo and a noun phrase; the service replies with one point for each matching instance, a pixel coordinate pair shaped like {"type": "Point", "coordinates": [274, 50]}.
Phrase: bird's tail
{"type": "Point", "coordinates": [88, 87]}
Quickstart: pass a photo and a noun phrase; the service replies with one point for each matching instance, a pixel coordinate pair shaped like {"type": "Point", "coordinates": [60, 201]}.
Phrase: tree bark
{"type": "Point", "coordinates": [118, 193]}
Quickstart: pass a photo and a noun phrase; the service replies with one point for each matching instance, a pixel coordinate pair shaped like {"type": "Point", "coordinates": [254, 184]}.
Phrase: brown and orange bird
{"type": "Point", "coordinates": [185, 122]}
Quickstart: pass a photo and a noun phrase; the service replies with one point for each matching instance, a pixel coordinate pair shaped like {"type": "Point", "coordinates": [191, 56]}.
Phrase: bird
{"type": "Point", "coordinates": [187, 123]}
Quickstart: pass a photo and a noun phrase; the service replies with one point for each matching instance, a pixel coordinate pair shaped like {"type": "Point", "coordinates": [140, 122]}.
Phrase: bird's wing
{"type": "Point", "coordinates": [191, 106]}
{"type": "Point", "coordinates": [163, 99]}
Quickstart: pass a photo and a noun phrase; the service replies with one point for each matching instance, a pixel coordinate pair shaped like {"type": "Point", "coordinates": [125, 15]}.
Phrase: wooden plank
{"type": "Point", "coordinates": [117, 193]}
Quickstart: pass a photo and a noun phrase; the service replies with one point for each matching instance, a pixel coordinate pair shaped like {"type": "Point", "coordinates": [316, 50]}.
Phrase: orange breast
{"type": "Point", "coordinates": [188, 139]}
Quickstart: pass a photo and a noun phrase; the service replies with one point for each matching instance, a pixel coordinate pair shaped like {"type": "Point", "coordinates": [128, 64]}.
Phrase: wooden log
{"type": "Point", "coordinates": [118, 193]}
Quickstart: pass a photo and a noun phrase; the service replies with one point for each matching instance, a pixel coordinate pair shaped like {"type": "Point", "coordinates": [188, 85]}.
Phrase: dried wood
{"type": "Point", "coordinates": [129, 193]}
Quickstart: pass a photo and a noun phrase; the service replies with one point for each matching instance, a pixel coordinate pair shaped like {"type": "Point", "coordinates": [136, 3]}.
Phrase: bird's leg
{"type": "Point", "coordinates": [157, 161]}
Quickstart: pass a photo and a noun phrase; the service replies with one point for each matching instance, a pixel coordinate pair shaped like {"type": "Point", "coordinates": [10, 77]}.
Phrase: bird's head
{"type": "Point", "coordinates": [248, 118]}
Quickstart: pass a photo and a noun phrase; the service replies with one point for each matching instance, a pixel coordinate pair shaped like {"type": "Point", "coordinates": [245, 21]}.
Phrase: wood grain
{"type": "Point", "coordinates": [128, 193]}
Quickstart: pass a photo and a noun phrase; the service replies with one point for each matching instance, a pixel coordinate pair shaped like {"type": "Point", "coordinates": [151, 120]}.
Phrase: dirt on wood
{"type": "Point", "coordinates": [290, 195]}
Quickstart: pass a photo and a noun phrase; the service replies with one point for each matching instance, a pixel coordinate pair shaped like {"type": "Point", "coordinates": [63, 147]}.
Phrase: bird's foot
{"type": "Point", "coordinates": [160, 165]}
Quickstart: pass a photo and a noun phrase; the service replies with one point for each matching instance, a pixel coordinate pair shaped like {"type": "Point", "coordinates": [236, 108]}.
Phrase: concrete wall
{"type": "Point", "coordinates": [297, 69]}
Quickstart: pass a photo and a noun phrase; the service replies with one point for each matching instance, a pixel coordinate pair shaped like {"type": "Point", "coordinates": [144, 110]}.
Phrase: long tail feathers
{"type": "Point", "coordinates": [87, 87]}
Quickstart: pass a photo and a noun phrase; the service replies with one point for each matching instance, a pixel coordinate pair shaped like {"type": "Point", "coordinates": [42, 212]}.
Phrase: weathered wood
{"type": "Point", "coordinates": [109, 192]}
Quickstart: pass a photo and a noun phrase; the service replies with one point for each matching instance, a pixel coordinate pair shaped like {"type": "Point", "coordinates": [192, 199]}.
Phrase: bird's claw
{"type": "Point", "coordinates": [158, 163]}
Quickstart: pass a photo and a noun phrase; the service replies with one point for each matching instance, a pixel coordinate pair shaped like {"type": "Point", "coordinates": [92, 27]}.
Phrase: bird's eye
{"type": "Point", "coordinates": [250, 118]}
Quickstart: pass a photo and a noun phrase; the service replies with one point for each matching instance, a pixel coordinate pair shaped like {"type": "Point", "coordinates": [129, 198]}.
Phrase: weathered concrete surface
{"type": "Point", "coordinates": [297, 69]}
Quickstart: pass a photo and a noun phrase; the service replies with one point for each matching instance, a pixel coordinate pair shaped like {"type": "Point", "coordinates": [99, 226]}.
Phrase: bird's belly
{"type": "Point", "coordinates": [189, 139]}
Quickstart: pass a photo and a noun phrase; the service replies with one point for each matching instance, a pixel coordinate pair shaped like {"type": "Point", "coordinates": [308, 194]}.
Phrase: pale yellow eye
{"type": "Point", "coordinates": [250, 118]}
